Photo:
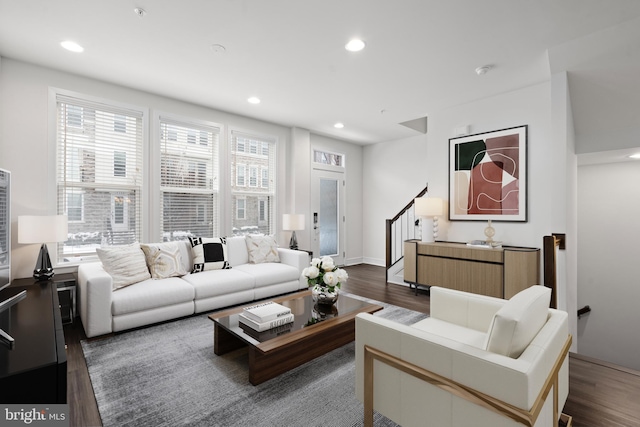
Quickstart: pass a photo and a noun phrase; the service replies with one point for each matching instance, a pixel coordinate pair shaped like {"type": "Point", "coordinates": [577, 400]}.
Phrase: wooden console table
{"type": "Point", "coordinates": [499, 272]}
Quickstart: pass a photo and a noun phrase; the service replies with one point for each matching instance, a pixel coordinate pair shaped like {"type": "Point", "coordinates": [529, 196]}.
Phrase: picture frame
{"type": "Point", "coordinates": [488, 176]}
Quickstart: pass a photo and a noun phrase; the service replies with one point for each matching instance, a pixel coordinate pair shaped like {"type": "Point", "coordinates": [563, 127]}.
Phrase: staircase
{"type": "Point", "coordinates": [403, 226]}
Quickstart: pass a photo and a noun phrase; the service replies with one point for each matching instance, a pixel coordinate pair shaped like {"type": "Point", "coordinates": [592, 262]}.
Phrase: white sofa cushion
{"type": "Point", "coordinates": [219, 282]}
{"type": "Point", "coordinates": [270, 273]}
{"type": "Point", "coordinates": [126, 264]}
{"type": "Point", "coordinates": [516, 324]}
{"type": "Point", "coordinates": [209, 253]}
{"type": "Point", "coordinates": [452, 331]}
{"type": "Point", "coordinates": [262, 249]}
{"type": "Point", "coordinates": [164, 259]}
{"type": "Point", "coordinates": [151, 294]}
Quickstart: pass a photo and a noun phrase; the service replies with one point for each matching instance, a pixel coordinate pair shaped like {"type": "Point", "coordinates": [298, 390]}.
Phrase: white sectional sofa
{"type": "Point", "coordinates": [104, 309]}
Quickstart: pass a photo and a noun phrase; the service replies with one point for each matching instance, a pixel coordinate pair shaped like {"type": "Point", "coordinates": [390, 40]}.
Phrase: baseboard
{"type": "Point", "coordinates": [374, 261]}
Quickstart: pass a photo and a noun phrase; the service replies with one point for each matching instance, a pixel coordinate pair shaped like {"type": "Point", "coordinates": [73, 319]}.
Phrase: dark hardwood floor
{"type": "Point", "coordinates": [600, 394]}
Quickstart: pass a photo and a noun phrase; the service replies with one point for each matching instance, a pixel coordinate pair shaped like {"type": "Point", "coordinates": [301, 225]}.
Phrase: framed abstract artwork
{"type": "Point", "coordinates": [488, 176]}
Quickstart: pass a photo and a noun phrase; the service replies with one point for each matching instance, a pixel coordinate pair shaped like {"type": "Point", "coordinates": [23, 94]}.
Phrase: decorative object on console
{"type": "Point", "coordinates": [488, 176]}
{"type": "Point", "coordinates": [324, 279]}
{"type": "Point", "coordinates": [489, 232]}
{"type": "Point", "coordinates": [293, 222]}
{"type": "Point", "coordinates": [39, 229]}
{"type": "Point", "coordinates": [429, 209]}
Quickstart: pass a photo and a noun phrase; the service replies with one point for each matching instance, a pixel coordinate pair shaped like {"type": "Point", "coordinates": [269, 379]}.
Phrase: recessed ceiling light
{"type": "Point", "coordinates": [635, 156]}
{"type": "Point", "coordinates": [254, 100]}
{"type": "Point", "coordinates": [355, 45]}
{"type": "Point", "coordinates": [483, 70]}
{"type": "Point", "coordinates": [338, 125]}
{"type": "Point", "coordinates": [72, 46]}
{"type": "Point", "coordinates": [218, 48]}
{"type": "Point", "coordinates": [140, 12]}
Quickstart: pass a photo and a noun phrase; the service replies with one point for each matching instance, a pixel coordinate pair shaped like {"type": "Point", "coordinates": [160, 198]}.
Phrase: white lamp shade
{"type": "Point", "coordinates": [429, 206]}
{"type": "Point", "coordinates": [42, 229]}
{"type": "Point", "coordinates": [292, 222]}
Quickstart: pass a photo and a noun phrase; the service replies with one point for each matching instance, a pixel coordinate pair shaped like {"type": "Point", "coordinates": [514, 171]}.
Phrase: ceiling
{"type": "Point", "coordinates": [420, 56]}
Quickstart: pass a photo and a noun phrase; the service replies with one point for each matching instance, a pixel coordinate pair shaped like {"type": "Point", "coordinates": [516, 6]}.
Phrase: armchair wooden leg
{"type": "Point", "coordinates": [368, 389]}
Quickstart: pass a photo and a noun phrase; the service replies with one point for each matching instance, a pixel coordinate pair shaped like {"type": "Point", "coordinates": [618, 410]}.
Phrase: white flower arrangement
{"type": "Point", "coordinates": [324, 274]}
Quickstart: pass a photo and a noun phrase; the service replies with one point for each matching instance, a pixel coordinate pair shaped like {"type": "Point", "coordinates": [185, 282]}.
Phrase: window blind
{"type": "Point", "coordinates": [189, 184]}
{"type": "Point", "coordinates": [99, 174]}
{"type": "Point", "coordinates": [253, 178]}
{"type": "Point", "coordinates": [5, 225]}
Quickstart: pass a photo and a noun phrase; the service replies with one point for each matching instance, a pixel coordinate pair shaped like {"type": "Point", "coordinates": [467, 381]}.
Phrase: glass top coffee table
{"type": "Point", "coordinates": [315, 331]}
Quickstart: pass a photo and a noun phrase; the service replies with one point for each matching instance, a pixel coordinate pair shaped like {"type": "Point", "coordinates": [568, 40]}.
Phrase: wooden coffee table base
{"type": "Point", "coordinates": [278, 355]}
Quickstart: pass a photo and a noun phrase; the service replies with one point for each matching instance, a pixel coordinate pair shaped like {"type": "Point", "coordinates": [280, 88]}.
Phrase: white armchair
{"type": "Point", "coordinates": [476, 361]}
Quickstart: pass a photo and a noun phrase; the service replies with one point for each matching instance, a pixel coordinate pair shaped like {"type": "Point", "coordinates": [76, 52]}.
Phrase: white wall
{"type": "Point", "coordinates": [26, 151]}
{"type": "Point", "coordinates": [395, 171]}
{"type": "Point", "coordinates": [608, 277]}
{"type": "Point", "coordinates": [393, 174]}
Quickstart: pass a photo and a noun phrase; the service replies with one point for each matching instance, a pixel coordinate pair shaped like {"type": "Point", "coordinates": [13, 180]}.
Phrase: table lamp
{"type": "Point", "coordinates": [293, 222]}
{"type": "Point", "coordinates": [429, 209]}
{"type": "Point", "coordinates": [42, 229]}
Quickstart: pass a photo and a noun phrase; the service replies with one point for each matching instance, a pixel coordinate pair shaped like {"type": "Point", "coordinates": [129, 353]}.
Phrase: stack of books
{"type": "Point", "coordinates": [265, 316]}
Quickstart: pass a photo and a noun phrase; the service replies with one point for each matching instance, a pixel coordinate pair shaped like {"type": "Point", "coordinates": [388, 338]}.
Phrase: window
{"type": "Point", "coordinates": [253, 190]}
{"type": "Point", "coordinates": [241, 208]}
{"type": "Point", "coordinates": [262, 210]}
{"type": "Point", "coordinates": [240, 175]}
{"type": "Point", "coordinates": [99, 156]}
{"type": "Point", "coordinates": [201, 213]}
{"type": "Point", "coordinates": [120, 163]}
{"type": "Point", "coordinates": [188, 179]}
{"type": "Point", "coordinates": [120, 124]}
{"type": "Point", "coordinates": [327, 158]}
{"type": "Point", "coordinates": [253, 176]}
{"type": "Point", "coordinates": [75, 205]}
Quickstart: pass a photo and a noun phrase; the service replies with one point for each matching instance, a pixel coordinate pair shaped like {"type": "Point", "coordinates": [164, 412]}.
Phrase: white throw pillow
{"type": "Point", "coordinates": [262, 249]}
{"type": "Point", "coordinates": [164, 259]}
{"type": "Point", "coordinates": [125, 264]}
{"type": "Point", "coordinates": [517, 323]}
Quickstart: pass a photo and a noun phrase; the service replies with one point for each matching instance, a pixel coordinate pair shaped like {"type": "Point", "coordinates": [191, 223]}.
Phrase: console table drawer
{"type": "Point", "coordinates": [458, 251]}
{"type": "Point", "coordinates": [462, 275]}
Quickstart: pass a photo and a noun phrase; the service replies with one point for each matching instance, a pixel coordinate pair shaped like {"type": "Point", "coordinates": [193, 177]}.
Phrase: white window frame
{"type": "Point", "coordinates": [141, 232]}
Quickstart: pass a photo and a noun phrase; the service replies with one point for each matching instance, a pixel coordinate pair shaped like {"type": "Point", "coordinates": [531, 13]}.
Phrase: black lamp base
{"type": "Point", "coordinates": [44, 269]}
{"type": "Point", "coordinates": [293, 243]}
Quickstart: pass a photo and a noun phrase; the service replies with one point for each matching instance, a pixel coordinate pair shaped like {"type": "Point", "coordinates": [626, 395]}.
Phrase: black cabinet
{"type": "Point", "coordinates": [35, 370]}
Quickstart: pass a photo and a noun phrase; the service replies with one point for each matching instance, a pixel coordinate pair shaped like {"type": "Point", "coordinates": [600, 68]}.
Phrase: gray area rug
{"type": "Point", "coordinates": [168, 375]}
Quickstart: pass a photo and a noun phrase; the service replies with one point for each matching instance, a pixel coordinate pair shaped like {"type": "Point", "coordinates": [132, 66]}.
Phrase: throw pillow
{"type": "Point", "coordinates": [163, 259]}
{"type": "Point", "coordinates": [209, 253]}
{"type": "Point", "coordinates": [125, 264]}
{"type": "Point", "coordinates": [517, 323]}
{"type": "Point", "coordinates": [262, 249]}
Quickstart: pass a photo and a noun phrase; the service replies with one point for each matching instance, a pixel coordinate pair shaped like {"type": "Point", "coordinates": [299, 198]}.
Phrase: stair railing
{"type": "Point", "coordinates": [398, 229]}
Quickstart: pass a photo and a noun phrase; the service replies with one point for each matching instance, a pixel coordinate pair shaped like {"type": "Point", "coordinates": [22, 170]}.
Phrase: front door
{"type": "Point", "coordinates": [327, 209]}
